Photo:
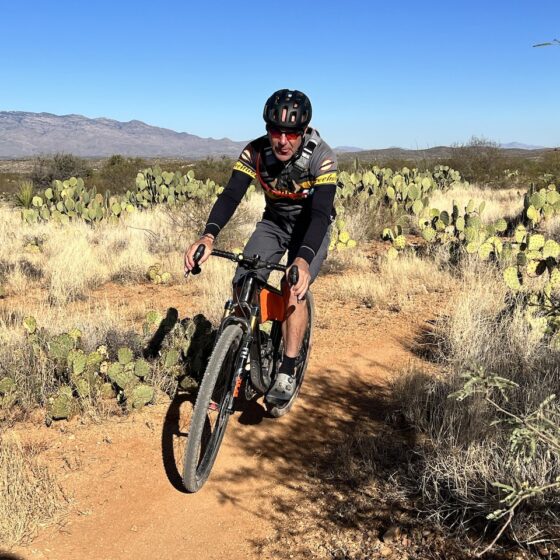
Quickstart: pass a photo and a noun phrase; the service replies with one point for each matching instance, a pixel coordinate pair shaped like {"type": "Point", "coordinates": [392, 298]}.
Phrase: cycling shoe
{"type": "Point", "coordinates": [283, 389]}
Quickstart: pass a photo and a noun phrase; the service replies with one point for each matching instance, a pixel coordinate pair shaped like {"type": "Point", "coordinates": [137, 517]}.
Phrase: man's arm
{"type": "Point", "coordinates": [221, 212]}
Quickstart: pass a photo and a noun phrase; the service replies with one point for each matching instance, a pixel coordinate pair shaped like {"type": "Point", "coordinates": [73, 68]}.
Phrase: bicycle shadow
{"type": "Point", "coordinates": [174, 436]}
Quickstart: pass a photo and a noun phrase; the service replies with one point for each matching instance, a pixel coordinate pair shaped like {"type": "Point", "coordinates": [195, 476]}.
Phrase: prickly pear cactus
{"type": "Point", "coordinates": [62, 405]}
{"type": "Point", "coordinates": [140, 396]}
{"type": "Point", "coordinates": [156, 275]}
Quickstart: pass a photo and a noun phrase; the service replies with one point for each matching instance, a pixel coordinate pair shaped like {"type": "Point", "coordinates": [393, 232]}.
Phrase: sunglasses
{"type": "Point", "coordinates": [291, 136]}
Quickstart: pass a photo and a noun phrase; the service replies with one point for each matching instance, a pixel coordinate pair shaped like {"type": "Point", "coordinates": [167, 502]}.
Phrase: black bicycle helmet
{"type": "Point", "coordinates": [288, 109]}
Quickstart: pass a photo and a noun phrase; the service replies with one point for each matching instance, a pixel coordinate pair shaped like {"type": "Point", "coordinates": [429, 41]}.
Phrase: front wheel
{"type": "Point", "coordinates": [210, 413]}
{"type": "Point", "coordinates": [278, 410]}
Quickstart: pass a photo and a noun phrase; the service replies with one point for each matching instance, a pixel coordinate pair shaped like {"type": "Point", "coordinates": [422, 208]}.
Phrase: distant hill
{"type": "Point", "coordinates": [520, 146]}
{"type": "Point", "coordinates": [437, 153]}
{"type": "Point", "coordinates": [28, 134]}
{"type": "Point", "coordinates": [343, 149]}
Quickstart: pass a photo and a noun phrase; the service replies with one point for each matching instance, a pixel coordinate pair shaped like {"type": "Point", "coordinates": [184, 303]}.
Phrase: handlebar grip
{"type": "Point", "coordinates": [293, 275]}
{"type": "Point", "coordinates": [196, 257]}
{"type": "Point", "coordinates": [198, 253]}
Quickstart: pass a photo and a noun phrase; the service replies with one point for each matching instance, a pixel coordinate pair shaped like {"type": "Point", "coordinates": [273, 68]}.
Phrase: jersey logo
{"type": "Point", "coordinates": [326, 165]}
{"type": "Point", "coordinates": [327, 178]}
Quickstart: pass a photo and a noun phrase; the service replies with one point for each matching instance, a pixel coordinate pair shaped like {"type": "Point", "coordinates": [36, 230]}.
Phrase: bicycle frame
{"type": "Point", "coordinates": [247, 312]}
{"type": "Point", "coordinates": [237, 356]}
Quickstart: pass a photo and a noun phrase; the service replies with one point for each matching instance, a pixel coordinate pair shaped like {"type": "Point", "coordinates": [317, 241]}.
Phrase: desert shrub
{"type": "Point", "coordinates": [480, 160]}
{"type": "Point", "coordinates": [118, 174]}
{"type": "Point", "coordinates": [463, 451]}
{"type": "Point", "coordinates": [9, 183]}
{"type": "Point", "coordinates": [60, 166]}
{"type": "Point", "coordinates": [216, 169]}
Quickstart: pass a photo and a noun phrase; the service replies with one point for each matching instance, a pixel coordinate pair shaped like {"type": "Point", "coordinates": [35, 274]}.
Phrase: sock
{"type": "Point", "coordinates": [288, 365]}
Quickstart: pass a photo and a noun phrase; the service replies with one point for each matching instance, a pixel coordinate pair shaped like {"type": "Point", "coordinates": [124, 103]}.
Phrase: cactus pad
{"type": "Point", "coordinates": [511, 277]}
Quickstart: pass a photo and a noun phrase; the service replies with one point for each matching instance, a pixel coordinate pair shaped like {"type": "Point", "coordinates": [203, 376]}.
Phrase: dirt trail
{"type": "Point", "coordinates": [127, 499]}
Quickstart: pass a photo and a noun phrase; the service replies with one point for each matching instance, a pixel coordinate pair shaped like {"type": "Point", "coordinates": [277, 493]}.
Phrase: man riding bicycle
{"type": "Point", "coordinates": [298, 172]}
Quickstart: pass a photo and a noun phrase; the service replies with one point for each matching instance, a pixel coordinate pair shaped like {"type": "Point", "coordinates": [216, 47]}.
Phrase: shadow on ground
{"type": "Point", "coordinates": [336, 449]}
{"type": "Point", "coordinates": [10, 556]}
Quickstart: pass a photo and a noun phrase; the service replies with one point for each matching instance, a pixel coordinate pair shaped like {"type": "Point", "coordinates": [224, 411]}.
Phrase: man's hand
{"type": "Point", "coordinates": [300, 289]}
{"type": "Point", "coordinates": [208, 242]}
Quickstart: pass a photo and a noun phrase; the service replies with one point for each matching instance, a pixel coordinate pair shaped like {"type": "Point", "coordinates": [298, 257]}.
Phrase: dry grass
{"type": "Point", "coordinates": [30, 496]}
{"type": "Point", "coordinates": [393, 283]}
{"type": "Point", "coordinates": [69, 261]}
{"type": "Point", "coordinates": [463, 452]}
{"type": "Point", "coordinates": [502, 203]}
{"type": "Point", "coordinates": [551, 228]}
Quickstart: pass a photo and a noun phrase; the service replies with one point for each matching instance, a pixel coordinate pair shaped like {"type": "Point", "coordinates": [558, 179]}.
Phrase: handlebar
{"type": "Point", "coordinates": [252, 263]}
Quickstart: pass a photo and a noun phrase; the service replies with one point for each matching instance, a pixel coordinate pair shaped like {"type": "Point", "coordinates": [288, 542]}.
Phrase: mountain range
{"type": "Point", "coordinates": [25, 134]}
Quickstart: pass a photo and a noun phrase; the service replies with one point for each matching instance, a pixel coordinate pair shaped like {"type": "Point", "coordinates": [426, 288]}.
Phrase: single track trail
{"type": "Point", "coordinates": [122, 478]}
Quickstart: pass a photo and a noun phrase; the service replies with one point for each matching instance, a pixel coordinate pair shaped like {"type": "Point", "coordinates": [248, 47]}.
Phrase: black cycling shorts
{"type": "Point", "coordinates": [271, 242]}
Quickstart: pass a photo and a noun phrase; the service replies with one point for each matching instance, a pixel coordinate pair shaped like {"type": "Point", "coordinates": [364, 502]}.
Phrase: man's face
{"type": "Point", "coordinates": [285, 143]}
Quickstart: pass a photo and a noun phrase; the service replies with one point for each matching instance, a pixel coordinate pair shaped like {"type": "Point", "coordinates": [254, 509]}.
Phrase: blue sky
{"type": "Point", "coordinates": [379, 74]}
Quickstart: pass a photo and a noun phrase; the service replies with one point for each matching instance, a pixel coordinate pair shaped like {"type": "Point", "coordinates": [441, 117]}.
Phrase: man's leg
{"type": "Point", "coordinates": [293, 328]}
{"type": "Point", "coordinates": [266, 241]}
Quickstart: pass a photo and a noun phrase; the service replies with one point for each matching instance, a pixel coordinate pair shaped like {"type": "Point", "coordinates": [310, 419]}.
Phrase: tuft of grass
{"type": "Point", "coordinates": [24, 195]}
{"type": "Point", "coordinates": [30, 496]}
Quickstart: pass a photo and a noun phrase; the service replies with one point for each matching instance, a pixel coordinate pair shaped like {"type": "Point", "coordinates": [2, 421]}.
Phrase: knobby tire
{"type": "Point", "coordinates": [276, 410]}
{"type": "Point", "coordinates": [204, 440]}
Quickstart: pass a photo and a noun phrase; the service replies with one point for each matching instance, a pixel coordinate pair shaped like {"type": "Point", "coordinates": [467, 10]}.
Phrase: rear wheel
{"type": "Point", "coordinates": [210, 414]}
{"type": "Point", "coordinates": [278, 410]}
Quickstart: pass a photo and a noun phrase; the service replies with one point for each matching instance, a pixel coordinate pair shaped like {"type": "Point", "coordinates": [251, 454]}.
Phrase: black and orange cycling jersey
{"type": "Point", "coordinates": [302, 189]}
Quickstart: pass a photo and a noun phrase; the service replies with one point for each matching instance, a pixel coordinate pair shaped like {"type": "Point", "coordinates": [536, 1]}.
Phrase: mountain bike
{"type": "Point", "coordinates": [244, 362]}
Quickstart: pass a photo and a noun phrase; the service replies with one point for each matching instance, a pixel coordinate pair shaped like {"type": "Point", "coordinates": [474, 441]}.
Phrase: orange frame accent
{"type": "Point", "coordinates": [272, 306]}
{"type": "Point", "coordinates": [237, 386]}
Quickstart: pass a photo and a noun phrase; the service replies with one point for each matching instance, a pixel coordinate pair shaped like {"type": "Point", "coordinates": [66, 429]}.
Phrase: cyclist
{"type": "Point", "coordinates": [298, 172]}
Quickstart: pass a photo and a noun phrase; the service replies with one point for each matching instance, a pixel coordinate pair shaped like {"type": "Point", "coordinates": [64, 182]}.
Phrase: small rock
{"type": "Point", "coordinates": [385, 551]}
{"type": "Point", "coordinates": [426, 533]}
{"type": "Point", "coordinates": [392, 533]}
{"type": "Point", "coordinates": [134, 529]}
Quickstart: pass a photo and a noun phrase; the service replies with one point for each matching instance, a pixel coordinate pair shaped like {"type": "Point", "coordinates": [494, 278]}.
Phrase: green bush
{"type": "Point", "coordinates": [60, 166]}
{"type": "Point", "coordinates": [117, 174]}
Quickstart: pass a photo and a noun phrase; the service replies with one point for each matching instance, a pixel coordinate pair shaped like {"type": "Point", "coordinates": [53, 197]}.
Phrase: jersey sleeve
{"type": "Point", "coordinates": [324, 168]}
{"type": "Point", "coordinates": [247, 162]}
{"type": "Point", "coordinates": [228, 201]}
